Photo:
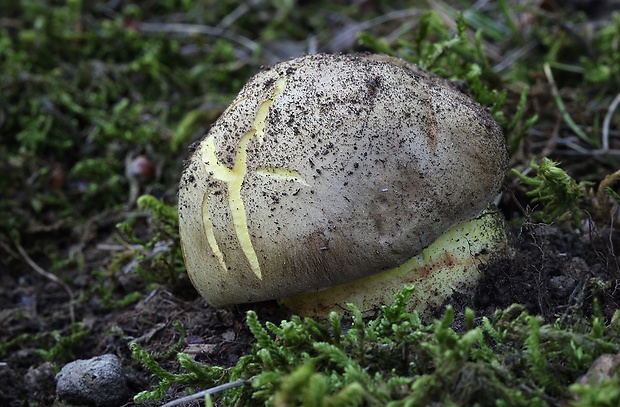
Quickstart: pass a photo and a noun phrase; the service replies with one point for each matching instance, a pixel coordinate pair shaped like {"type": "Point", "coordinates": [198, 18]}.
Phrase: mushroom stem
{"type": "Point", "coordinates": [455, 262]}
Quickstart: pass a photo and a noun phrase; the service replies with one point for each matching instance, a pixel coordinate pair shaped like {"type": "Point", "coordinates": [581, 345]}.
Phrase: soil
{"type": "Point", "coordinates": [551, 276]}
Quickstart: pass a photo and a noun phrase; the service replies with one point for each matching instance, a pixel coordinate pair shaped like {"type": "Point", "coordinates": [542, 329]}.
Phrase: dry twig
{"type": "Point", "coordinates": [212, 390]}
{"type": "Point", "coordinates": [606, 123]}
{"type": "Point", "coordinates": [48, 275]}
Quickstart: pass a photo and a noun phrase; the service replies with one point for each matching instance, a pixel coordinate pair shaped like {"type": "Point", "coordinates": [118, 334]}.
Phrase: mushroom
{"type": "Point", "coordinates": [327, 169]}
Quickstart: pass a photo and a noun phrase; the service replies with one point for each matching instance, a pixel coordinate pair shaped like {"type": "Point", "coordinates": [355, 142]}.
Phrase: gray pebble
{"type": "Point", "coordinates": [99, 381]}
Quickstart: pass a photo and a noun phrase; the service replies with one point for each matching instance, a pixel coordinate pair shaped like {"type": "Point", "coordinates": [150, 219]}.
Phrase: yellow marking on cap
{"type": "Point", "coordinates": [209, 232]}
{"type": "Point", "coordinates": [234, 177]}
{"type": "Point", "coordinates": [234, 180]}
{"type": "Point", "coordinates": [234, 104]}
{"type": "Point", "coordinates": [263, 109]}
{"type": "Point", "coordinates": [282, 174]}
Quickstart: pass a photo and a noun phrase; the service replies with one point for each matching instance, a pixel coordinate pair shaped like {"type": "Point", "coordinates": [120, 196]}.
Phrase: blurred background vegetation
{"type": "Point", "coordinates": [99, 100]}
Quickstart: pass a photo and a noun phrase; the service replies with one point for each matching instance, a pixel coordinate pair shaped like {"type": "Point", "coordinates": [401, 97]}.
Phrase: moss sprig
{"type": "Point", "coordinates": [52, 346]}
{"type": "Point", "coordinates": [561, 195]}
{"type": "Point", "coordinates": [158, 257]}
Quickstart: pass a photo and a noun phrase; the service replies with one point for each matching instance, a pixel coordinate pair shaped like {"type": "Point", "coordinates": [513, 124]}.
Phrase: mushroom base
{"type": "Point", "coordinates": [453, 263]}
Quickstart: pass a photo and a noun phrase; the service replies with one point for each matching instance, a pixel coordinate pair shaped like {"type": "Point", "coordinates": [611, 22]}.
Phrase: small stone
{"type": "Point", "coordinates": [99, 381]}
{"type": "Point", "coordinates": [602, 369]}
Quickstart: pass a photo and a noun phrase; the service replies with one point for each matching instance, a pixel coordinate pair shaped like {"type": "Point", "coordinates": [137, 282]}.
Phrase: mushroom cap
{"type": "Point", "coordinates": [328, 168]}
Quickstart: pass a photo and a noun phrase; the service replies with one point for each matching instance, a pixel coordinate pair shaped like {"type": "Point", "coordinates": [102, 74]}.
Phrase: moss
{"type": "Point", "coordinates": [510, 359]}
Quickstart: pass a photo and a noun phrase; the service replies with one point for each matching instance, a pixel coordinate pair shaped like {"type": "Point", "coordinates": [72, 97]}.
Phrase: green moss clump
{"type": "Point", "coordinates": [512, 359]}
